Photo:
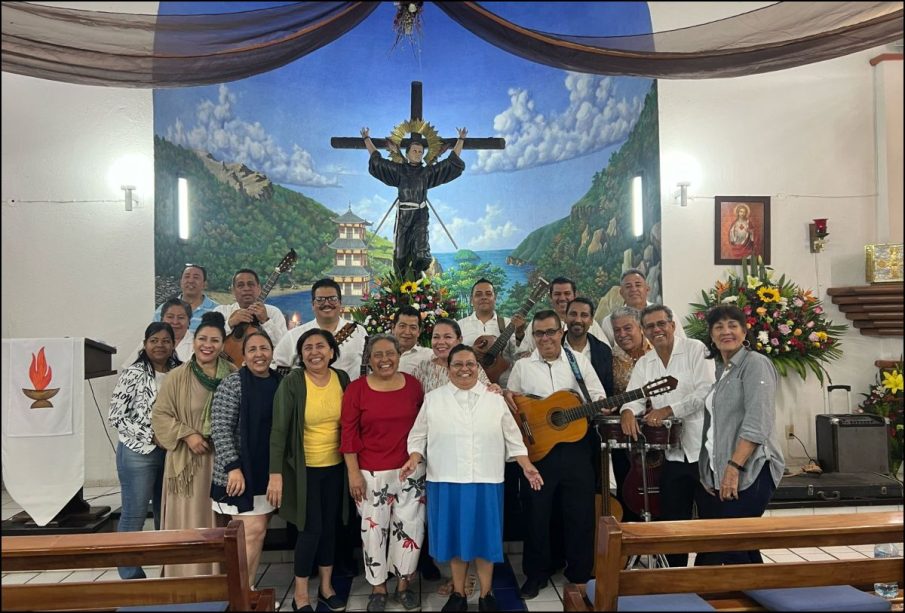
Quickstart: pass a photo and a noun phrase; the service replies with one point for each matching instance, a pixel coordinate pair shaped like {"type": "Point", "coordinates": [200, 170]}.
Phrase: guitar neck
{"type": "Point", "coordinates": [500, 343]}
{"type": "Point", "coordinates": [268, 285]}
{"type": "Point", "coordinates": [592, 408]}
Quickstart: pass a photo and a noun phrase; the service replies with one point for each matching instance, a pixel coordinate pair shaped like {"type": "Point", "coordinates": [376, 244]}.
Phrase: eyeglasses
{"type": "Point", "coordinates": [323, 299]}
{"type": "Point", "coordinates": [539, 334]}
{"type": "Point", "coordinates": [471, 365]}
{"type": "Point", "coordinates": [663, 323]}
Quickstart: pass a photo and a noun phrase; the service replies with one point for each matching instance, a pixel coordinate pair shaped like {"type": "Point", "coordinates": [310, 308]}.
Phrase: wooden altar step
{"type": "Point", "coordinates": [875, 310]}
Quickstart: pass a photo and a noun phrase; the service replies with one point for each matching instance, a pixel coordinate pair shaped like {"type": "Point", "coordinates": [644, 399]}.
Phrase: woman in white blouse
{"type": "Point", "coordinates": [466, 433]}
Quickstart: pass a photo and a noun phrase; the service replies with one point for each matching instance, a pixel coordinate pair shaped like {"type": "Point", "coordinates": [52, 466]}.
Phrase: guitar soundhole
{"type": "Point", "coordinates": [558, 419]}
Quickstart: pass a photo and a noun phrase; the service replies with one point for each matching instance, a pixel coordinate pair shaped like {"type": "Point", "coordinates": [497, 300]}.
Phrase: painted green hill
{"type": "Point", "coordinates": [238, 219]}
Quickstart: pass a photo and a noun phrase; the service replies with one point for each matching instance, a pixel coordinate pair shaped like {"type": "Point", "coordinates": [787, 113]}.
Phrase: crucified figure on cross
{"type": "Point", "coordinates": [413, 178]}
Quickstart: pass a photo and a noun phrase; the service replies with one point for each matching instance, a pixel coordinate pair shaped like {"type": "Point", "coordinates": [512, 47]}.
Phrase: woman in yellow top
{"type": "Point", "coordinates": [306, 468]}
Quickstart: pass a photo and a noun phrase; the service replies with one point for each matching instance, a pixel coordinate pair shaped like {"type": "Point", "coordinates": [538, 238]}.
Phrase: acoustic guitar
{"type": "Point", "coordinates": [488, 348]}
{"type": "Point", "coordinates": [232, 346]}
{"type": "Point", "coordinates": [562, 418]}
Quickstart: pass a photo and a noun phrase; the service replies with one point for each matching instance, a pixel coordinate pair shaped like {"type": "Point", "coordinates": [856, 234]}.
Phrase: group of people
{"type": "Point", "coordinates": [418, 440]}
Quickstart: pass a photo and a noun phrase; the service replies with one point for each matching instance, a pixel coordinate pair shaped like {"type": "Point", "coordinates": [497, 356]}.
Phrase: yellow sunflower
{"type": "Point", "coordinates": [892, 381]}
{"type": "Point", "coordinates": [768, 294]}
{"type": "Point", "coordinates": [409, 287]}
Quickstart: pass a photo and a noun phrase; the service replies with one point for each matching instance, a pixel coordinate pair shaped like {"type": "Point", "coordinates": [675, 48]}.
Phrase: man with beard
{"type": "Point", "coordinates": [685, 359]}
{"type": "Point", "coordinates": [407, 329]}
{"type": "Point", "coordinates": [562, 292]}
{"type": "Point", "coordinates": [248, 309]}
{"type": "Point", "coordinates": [327, 302]}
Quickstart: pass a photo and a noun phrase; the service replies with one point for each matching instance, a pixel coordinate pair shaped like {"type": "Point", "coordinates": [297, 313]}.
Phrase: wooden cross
{"type": "Point", "coordinates": [357, 142]}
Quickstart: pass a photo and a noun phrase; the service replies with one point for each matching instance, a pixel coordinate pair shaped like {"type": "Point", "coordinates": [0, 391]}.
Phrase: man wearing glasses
{"type": "Point", "coordinates": [249, 310]}
{"type": "Point", "coordinates": [193, 283]}
{"type": "Point", "coordinates": [634, 289]}
{"type": "Point", "coordinates": [567, 469]}
{"type": "Point", "coordinates": [326, 299]}
{"type": "Point", "coordinates": [684, 359]}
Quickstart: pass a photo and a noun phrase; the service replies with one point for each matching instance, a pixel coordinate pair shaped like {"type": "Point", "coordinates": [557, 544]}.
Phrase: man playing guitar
{"type": "Point", "coordinates": [568, 468]}
{"type": "Point", "coordinates": [486, 322]}
{"type": "Point", "coordinates": [327, 302]}
{"type": "Point", "coordinates": [248, 309]}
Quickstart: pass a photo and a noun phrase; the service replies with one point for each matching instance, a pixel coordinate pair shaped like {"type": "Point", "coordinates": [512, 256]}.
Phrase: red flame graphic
{"type": "Point", "coordinates": [40, 373]}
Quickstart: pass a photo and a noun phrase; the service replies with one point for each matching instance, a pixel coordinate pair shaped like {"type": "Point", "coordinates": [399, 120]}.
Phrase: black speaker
{"type": "Point", "coordinates": [852, 444]}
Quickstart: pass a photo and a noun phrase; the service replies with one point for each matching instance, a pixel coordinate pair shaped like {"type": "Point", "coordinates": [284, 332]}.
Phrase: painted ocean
{"type": "Point", "coordinates": [300, 302]}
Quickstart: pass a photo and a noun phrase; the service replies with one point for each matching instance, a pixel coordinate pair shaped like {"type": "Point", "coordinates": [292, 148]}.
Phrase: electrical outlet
{"type": "Point", "coordinates": [790, 431]}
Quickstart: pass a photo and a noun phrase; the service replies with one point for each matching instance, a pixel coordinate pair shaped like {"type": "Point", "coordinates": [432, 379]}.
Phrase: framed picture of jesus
{"type": "Point", "coordinates": [742, 228]}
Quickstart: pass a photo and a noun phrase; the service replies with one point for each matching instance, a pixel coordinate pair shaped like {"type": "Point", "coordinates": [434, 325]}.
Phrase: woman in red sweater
{"type": "Point", "coordinates": [378, 413]}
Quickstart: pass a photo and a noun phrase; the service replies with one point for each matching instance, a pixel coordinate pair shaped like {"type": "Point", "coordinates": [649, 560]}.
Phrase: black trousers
{"type": "Point", "coordinates": [412, 253]}
{"type": "Point", "coordinates": [680, 489]}
{"type": "Point", "coordinates": [568, 482]}
{"type": "Point", "coordinates": [751, 502]}
{"type": "Point", "coordinates": [316, 544]}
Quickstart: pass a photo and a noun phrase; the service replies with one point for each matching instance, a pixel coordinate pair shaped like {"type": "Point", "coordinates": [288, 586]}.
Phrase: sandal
{"type": "Point", "coordinates": [446, 588]}
{"type": "Point", "coordinates": [377, 602]}
{"type": "Point", "coordinates": [408, 599]}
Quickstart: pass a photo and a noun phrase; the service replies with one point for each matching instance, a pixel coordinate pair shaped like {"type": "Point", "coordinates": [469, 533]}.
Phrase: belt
{"type": "Point", "coordinates": [410, 206]}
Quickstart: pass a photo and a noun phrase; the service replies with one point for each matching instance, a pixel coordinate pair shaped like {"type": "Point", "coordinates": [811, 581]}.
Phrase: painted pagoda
{"type": "Point", "coordinates": [350, 264]}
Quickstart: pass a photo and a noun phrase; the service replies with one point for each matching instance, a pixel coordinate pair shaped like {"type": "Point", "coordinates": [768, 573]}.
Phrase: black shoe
{"type": "Point", "coordinates": [429, 571]}
{"type": "Point", "coordinates": [334, 602]}
{"type": "Point", "coordinates": [532, 587]}
{"type": "Point", "coordinates": [456, 602]}
{"type": "Point", "coordinates": [304, 609]}
{"type": "Point", "coordinates": [488, 603]}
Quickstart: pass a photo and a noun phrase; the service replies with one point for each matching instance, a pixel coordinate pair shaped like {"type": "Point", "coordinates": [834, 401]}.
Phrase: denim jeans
{"type": "Point", "coordinates": [141, 482]}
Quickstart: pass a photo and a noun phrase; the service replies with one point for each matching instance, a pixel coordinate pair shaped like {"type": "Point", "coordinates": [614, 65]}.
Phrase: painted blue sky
{"type": "Point", "coordinates": [560, 127]}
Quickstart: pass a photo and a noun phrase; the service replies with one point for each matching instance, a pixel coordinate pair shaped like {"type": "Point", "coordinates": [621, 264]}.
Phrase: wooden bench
{"type": "Point", "coordinates": [722, 586]}
{"type": "Point", "coordinates": [223, 545]}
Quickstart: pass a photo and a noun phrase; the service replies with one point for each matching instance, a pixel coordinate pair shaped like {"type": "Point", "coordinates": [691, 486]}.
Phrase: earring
{"type": "Point", "coordinates": [746, 344]}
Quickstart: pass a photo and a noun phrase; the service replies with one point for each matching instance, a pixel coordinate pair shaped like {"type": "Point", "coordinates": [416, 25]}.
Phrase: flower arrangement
{"type": "Point", "coordinates": [887, 400]}
{"type": "Point", "coordinates": [787, 324]}
{"type": "Point", "coordinates": [378, 308]}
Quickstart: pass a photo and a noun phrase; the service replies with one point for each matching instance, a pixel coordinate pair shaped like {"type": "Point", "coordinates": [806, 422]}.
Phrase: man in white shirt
{"type": "Point", "coordinates": [634, 290]}
{"type": "Point", "coordinates": [684, 359]}
{"type": "Point", "coordinates": [567, 469]}
{"type": "Point", "coordinates": [562, 292]}
{"type": "Point", "coordinates": [248, 309]}
{"type": "Point", "coordinates": [407, 329]}
{"type": "Point", "coordinates": [485, 321]}
{"type": "Point", "coordinates": [327, 302]}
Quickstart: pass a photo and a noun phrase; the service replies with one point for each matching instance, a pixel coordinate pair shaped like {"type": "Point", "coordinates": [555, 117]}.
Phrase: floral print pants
{"type": "Point", "coordinates": [392, 523]}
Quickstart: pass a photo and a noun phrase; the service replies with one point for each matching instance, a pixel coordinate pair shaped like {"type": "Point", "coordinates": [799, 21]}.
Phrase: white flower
{"type": "Point", "coordinates": [729, 299]}
{"type": "Point", "coordinates": [763, 336]}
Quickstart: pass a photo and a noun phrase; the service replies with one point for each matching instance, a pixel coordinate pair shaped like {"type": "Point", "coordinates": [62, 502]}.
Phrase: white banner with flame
{"type": "Point", "coordinates": [43, 438]}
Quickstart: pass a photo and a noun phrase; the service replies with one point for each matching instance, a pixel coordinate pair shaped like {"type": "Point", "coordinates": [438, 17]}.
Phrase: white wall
{"type": "Point", "coordinates": [77, 268]}
{"type": "Point", "coordinates": [87, 269]}
{"type": "Point", "coordinates": [803, 136]}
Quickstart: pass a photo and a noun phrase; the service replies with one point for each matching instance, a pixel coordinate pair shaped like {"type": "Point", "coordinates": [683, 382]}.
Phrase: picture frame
{"type": "Point", "coordinates": [884, 263]}
{"type": "Point", "coordinates": [741, 228]}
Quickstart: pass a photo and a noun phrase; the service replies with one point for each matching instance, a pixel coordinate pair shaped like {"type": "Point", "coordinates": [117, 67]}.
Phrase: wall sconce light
{"type": "Point", "coordinates": [682, 194]}
{"type": "Point", "coordinates": [817, 232]}
{"type": "Point", "coordinates": [128, 189]}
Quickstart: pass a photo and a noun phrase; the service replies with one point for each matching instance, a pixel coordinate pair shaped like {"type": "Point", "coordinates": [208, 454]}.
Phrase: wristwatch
{"type": "Point", "coordinates": [736, 466]}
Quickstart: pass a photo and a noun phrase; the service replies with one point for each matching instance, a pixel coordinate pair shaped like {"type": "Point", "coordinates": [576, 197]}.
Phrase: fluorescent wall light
{"type": "Point", "coordinates": [637, 206]}
{"type": "Point", "coordinates": [183, 190]}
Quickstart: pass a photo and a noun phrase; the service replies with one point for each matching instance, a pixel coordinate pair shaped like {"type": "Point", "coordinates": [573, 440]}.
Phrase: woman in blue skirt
{"type": "Point", "coordinates": [466, 434]}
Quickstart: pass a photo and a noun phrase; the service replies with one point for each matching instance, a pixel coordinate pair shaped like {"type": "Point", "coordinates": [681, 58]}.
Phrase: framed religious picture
{"type": "Point", "coordinates": [742, 228]}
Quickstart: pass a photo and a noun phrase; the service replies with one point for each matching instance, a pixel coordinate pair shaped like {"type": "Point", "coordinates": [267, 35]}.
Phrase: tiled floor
{"type": "Point", "coordinates": [277, 570]}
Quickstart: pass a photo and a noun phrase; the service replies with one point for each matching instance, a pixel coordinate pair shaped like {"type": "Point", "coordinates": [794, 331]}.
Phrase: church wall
{"type": "Point", "coordinates": [803, 136]}
{"type": "Point", "coordinates": [78, 268]}
{"type": "Point", "coordinates": [87, 269]}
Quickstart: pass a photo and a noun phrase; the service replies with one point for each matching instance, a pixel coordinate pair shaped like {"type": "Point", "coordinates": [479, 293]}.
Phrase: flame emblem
{"type": "Point", "coordinates": [40, 373]}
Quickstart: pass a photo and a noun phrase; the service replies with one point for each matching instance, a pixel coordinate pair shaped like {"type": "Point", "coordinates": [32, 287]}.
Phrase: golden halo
{"type": "Point", "coordinates": [742, 207]}
{"type": "Point", "coordinates": [427, 131]}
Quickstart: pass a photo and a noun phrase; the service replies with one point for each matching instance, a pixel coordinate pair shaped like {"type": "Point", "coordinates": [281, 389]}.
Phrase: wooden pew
{"type": "Point", "coordinates": [223, 545]}
{"type": "Point", "coordinates": [722, 586]}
